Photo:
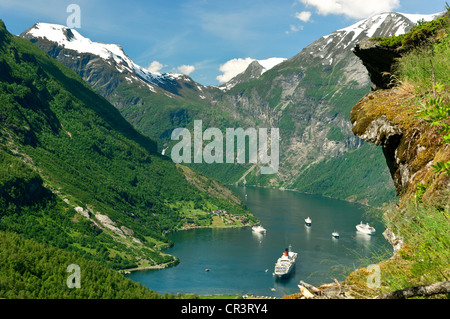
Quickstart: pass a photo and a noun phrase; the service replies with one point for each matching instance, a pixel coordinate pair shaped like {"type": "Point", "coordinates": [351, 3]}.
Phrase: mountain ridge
{"type": "Point", "coordinates": [358, 28]}
{"type": "Point", "coordinates": [75, 41]}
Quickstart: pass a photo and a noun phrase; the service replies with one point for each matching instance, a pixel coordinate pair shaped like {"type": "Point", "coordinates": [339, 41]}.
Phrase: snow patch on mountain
{"type": "Point", "coordinates": [418, 17]}
{"type": "Point", "coordinates": [270, 63]}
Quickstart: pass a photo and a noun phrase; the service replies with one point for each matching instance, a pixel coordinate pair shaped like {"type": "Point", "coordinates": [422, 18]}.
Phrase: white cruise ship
{"type": "Point", "coordinates": [285, 263]}
{"type": "Point", "coordinates": [365, 228]}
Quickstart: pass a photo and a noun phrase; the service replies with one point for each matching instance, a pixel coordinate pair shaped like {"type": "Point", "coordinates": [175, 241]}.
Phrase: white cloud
{"type": "Point", "coordinates": [232, 68]}
{"type": "Point", "coordinates": [155, 66]}
{"type": "Point", "coordinates": [303, 16]}
{"type": "Point", "coordinates": [352, 9]}
{"type": "Point", "coordinates": [186, 69]}
{"type": "Point", "coordinates": [294, 28]}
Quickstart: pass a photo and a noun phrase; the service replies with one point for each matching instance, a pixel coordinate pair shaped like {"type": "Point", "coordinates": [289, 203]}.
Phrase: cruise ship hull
{"type": "Point", "coordinates": [287, 274]}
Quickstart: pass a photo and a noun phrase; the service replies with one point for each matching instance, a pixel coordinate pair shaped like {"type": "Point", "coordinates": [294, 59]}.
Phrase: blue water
{"type": "Point", "coordinates": [242, 262]}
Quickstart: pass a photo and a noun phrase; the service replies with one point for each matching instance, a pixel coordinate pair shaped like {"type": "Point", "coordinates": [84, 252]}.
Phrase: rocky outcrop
{"type": "Point", "coordinates": [411, 146]}
{"type": "Point", "coordinates": [382, 132]}
{"type": "Point", "coordinates": [394, 240]}
{"type": "Point", "coordinates": [387, 117]}
{"type": "Point", "coordinates": [379, 61]}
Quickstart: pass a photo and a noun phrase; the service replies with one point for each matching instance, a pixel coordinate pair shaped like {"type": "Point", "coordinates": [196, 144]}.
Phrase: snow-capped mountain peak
{"type": "Point", "coordinates": [373, 23]}
{"type": "Point", "coordinates": [332, 47]}
{"type": "Point", "coordinates": [338, 43]}
{"type": "Point", "coordinates": [71, 39]}
{"type": "Point", "coordinates": [415, 18]}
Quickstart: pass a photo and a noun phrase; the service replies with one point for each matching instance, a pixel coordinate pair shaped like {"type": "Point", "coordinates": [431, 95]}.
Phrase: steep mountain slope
{"type": "Point", "coordinates": [154, 103]}
{"type": "Point", "coordinates": [78, 176]}
{"type": "Point", "coordinates": [309, 97]}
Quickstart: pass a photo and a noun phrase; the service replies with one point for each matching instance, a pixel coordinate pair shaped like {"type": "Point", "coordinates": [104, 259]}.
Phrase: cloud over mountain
{"type": "Point", "coordinates": [232, 68]}
{"type": "Point", "coordinates": [186, 69]}
{"type": "Point", "coordinates": [351, 8]}
{"type": "Point", "coordinates": [155, 66]}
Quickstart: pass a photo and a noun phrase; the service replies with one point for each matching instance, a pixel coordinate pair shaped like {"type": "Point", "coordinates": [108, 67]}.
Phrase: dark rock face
{"type": "Point", "coordinates": [379, 61]}
{"type": "Point", "coordinates": [382, 132]}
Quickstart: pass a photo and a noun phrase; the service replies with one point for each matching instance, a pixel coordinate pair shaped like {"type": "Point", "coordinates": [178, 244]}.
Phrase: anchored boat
{"type": "Point", "coordinates": [365, 228]}
{"type": "Point", "coordinates": [308, 221]}
{"type": "Point", "coordinates": [259, 229]}
{"type": "Point", "coordinates": [285, 263]}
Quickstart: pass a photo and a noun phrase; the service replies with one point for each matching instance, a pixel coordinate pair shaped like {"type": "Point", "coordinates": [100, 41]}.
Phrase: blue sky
{"type": "Point", "coordinates": [205, 34]}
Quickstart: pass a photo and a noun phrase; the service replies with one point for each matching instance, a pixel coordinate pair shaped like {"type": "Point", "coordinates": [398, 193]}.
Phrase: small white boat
{"type": "Point", "coordinates": [308, 221]}
{"type": "Point", "coordinates": [365, 229]}
{"type": "Point", "coordinates": [335, 234]}
{"type": "Point", "coordinates": [259, 229]}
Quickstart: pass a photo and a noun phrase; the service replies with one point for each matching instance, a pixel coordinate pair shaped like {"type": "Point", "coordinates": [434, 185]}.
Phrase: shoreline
{"type": "Point", "coordinates": [155, 267]}
{"type": "Point", "coordinates": [176, 262]}
{"type": "Point", "coordinates": [312, 194]}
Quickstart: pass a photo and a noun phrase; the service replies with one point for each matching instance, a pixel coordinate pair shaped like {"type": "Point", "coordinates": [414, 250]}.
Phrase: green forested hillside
{"type": "Point", "coordinates": [34, 270]}
{"type": "Point", "coordinates": [75, 175]}
{"type": "Point", "coordinates": [329, 176]}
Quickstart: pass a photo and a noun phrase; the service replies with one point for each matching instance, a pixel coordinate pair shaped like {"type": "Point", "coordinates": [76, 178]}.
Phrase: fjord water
{"type": "Point", "coordinates": [242, 262]}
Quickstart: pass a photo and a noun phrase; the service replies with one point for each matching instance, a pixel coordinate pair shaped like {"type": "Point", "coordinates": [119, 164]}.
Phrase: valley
{"type": "Point", "coordinates": [308, 97]}
{"type": "Point", "coordinates": [88, 175]}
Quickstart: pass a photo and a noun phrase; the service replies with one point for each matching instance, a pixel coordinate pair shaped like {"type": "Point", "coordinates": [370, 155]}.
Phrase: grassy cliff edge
{"type": "Point", "coordinates": [409, 117]}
